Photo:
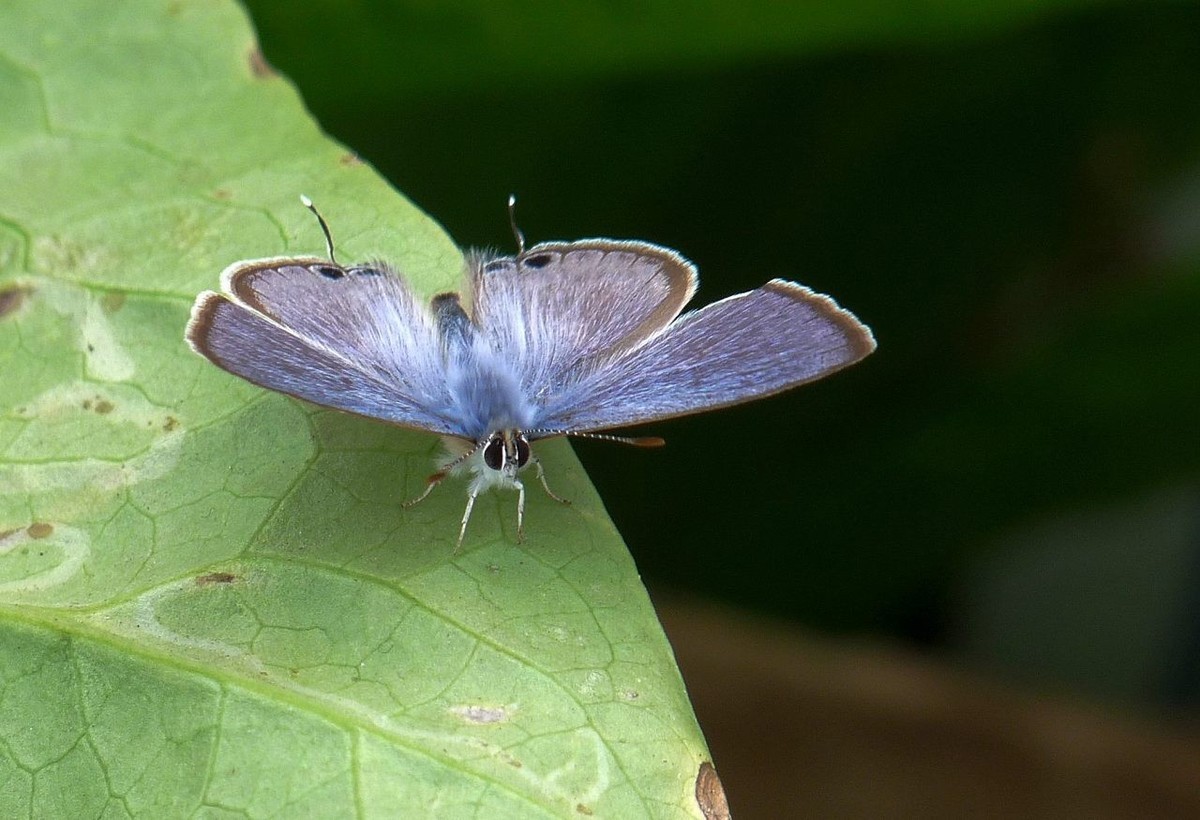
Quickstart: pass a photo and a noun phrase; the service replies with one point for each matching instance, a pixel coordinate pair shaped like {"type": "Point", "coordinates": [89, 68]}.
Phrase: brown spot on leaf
{"type": "Point", "coordinates": [582, 809]}
{"type": "Point", "coordinates": [259, 66]}
{"type": "Point", "coordinates": [222, 193]}
{"type": "Point", "coordinates": [170, 424]}
{"type": "Point", "coordinates": [104, 406]}
{"type": "Point", "coordinates": [710, 794]}
{"type": "Point", "coordinates": [112, 301]}
{"type": "Point", "coordinates": [87, 404]}
{"type": "Point", "coordinates": [11, 298]}
{"type": "Point", "coordinates": [350, 159]}
{"type": "Point", "coordinates": [215, 578]}
{"type": "Point", "coordinates": [5, 533]}
{"type": "Point", "coordinates": [39, 529]}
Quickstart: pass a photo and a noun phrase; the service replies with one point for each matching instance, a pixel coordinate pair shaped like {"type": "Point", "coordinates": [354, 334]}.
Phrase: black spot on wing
{"type": "Point", "coordinates": [537, 261]}
{"type": "Point", "coordinates": [497, 265]}
{"type": "Point", "coordinates": [329, 271]}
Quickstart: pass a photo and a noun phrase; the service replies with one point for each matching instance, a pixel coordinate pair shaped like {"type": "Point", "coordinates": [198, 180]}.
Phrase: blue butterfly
{"type": "Point", "coordinates": [562, 339]}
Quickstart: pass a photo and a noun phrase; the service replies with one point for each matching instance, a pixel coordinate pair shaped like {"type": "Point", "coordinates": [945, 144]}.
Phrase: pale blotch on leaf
{"type": "Point", "coordinates": [58, 256]}
{"type": "Point", "coordinates": [69, 546]}
{"type": "Point", "coordinates": [483, 714]}
{"type": "Point", "coordinates": [58, 408]}
{"type": "Point", "coordinates": [106, 359]}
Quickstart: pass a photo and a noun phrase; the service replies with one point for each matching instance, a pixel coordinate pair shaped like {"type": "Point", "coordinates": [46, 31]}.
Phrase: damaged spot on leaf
{"type": "Point", "coordinates": [40, 529]}
{"type": "Point", "coordinates": [215, 578]}
{"type": "Point", "coordinates": [481, 714]}
{"type": "Point", "coordinates": [103, 406]}
{"type": "Point", "coordinates": [710, 794]}
{"type": "Point", "coordinates": [11, 298]}
{"type": "Point", "coordinates": [584, 810]}
{"type": "Point", "coordinates": [170, 424]}
{"type": "Point", "coordinates": [112, 301]}
{"type": "Point", "coordinates": [259, 66]}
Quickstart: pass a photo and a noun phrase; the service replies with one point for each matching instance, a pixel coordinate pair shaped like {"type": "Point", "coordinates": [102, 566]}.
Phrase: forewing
{"type": "Point", "coordinates": [741, 348]}
{"type": "Point", "coordinates": [366, 314]}
{"type": "Point", "coordinates": [349, 338]}
{"type": "Point", "coordinates": [561, 305]}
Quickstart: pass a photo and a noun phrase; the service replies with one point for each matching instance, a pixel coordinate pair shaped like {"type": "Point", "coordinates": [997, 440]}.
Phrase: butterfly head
{"type": "Point", "coordinates": [506, 452]}
{"type": "Point", "coordinates": [493, 462]}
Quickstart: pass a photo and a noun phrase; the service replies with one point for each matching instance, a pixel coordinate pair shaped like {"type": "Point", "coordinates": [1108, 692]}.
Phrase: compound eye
{"type": "Point", "coordinates": [493, 453]}
{"type": "Point", "coordinates": [523, 451]}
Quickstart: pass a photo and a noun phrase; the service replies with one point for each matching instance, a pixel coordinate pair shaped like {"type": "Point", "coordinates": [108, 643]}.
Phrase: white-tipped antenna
{"type": "Point", "coordinates": [512, 221]}
{"type": "Point", "coordinates": [633, 441]}
{"type": "Point", "coordinates": [307, 203]}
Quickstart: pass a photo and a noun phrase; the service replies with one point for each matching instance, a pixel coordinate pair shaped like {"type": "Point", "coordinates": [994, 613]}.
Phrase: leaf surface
{"type": "Point", "coordinates": [211, 601]}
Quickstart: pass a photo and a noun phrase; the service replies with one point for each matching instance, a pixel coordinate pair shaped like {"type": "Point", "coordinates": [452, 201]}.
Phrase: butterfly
{"type": "Point", "coordinates": [560, 339]}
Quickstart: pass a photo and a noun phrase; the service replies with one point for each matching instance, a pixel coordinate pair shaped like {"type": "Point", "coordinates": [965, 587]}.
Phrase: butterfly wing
{"type": "Point", "coordinates": [560, 305]}
{"type": "Point", "coordinates": [354, 339]}
{"type": "Point", "coordinates": [741, 348]}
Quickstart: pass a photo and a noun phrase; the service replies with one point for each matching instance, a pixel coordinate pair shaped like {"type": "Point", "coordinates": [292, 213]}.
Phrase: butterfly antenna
{"type": "Point", "coordinates": [324, 228]}
{"type": "Point", "coordinates": [512, 221]}
{"type": "Point", "coordinates": [634, 441]}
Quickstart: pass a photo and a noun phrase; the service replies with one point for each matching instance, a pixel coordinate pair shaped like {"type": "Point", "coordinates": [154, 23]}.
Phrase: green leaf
{"type": "Point", "coordinates": [211, 601]}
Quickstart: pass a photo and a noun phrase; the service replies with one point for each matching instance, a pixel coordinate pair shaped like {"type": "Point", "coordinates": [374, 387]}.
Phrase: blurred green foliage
{"type": "Point", "coordinates": [997, 188]}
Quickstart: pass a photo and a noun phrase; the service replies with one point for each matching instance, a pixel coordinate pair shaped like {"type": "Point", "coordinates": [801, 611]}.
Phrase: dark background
{"type": "Point", "coordinates": [1010, 198]}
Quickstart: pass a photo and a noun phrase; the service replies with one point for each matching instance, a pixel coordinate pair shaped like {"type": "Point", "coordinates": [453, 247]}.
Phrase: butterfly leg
{"type": "Point", "coordinates": [462, 530]}
{"type": "Point", "coordinates": [541, 474]}
{"type": "Point", "coordinates": [520, 511]}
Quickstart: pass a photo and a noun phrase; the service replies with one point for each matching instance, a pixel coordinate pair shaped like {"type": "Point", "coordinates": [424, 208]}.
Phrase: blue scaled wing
{"type": "Point", "coordinates": [353, 339]}
{"type": "Point", "coordinates": [732, 351]}
{"type": "Point", "coordinates": [560, 306]}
